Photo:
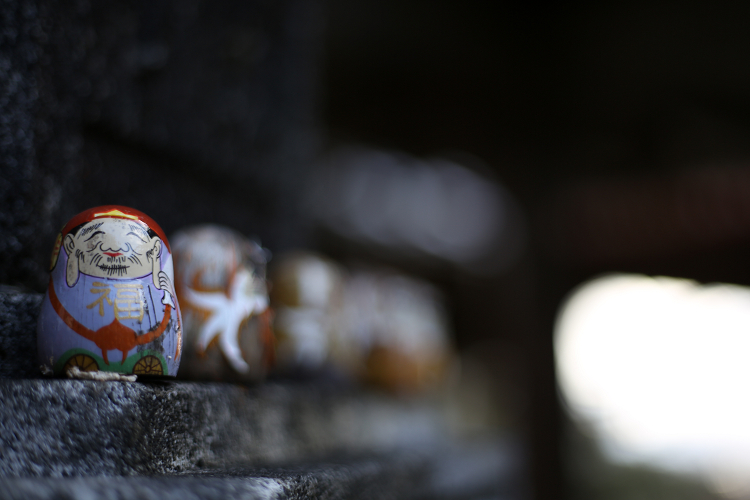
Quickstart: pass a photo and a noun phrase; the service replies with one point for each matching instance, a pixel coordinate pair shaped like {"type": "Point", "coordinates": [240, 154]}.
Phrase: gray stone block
{"type": "Point", "coordinates": [220, 91]}
{"type": "Point", "coordinates": [229, 85]}
{"type": "Point", "coordinates": [205, 112]}
{"type": "Point", "coordinates": [39, 140]}
{"type": "Point", "coordinates": [18, 315]}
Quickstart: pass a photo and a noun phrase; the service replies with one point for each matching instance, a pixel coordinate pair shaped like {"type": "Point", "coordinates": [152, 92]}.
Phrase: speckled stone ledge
{"type": "Point", "coordinates": [72, 427]}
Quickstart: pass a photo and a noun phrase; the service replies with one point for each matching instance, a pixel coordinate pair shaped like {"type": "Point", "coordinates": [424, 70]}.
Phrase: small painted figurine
{"type": "Point", "coordinates": [110, 306]}
{"type": "Point", "coordinates": [380, 326]}
{"type": "Point", "coordinates": [408, 345]}
{"type": "Point", "coordinates": [307, 298]}
{"type": "Point", "coordinates": [222, 288]}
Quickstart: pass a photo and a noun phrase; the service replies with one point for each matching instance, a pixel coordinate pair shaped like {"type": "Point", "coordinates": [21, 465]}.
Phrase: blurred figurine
{"type": "Point", "coordinates": [110, 309]}
{"type": "Point", "coordinates": [382, 327]}
{"type": "Point", "coordinates": [222, 288]}
{"type": "Point", "coordinates": [307, 300]}
{"type": "Point", "coordinates": [403, 329]}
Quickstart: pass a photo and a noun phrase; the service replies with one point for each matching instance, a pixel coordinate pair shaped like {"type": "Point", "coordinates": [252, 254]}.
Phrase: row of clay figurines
{"type": "Point", "coordinates": [123, 303]}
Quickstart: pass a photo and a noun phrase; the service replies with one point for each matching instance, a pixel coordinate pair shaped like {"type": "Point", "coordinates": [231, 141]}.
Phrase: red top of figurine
{"type": "Point", "coordinates": [117, 211]}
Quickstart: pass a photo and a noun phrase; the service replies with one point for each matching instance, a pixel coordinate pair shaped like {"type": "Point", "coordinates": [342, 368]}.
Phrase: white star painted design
{"type": "Point", "coordinates": [227, 314]}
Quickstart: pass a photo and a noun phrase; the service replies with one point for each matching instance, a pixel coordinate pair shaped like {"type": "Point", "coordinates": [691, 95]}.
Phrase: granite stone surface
{"type": "Point", "coordinates": [18, 315]}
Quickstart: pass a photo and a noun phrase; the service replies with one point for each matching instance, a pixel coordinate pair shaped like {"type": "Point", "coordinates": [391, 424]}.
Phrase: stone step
{"type": "Point", "coordinates": [73, 427]}
{"type": "Point", "coordinates": [439, 474]}
{"type": "Point", "coordinates": [184, 440]}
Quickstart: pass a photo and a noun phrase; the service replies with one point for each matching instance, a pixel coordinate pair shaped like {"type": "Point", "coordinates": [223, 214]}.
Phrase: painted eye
{"type": "Point", "coordinates": [94, 234]}
{"type": "Point", "coordinates": [137, 236]}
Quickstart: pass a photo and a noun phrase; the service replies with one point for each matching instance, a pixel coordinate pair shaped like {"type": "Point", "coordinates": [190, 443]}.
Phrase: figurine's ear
{"type": "Point", "coordinates": [155, 260]}
{"type": "Point", "coordinates": [157, 247]}
{"type": "Point", "coordinates": [71, 271]}
{"type": "Point", "coordinates": [153, 252]}
{"type": "Point", "coordinates": [69, 244]}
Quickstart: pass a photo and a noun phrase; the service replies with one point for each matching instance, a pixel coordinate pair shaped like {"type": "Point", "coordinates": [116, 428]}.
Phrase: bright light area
{"type": "Point", "coordinates": [659, 368]}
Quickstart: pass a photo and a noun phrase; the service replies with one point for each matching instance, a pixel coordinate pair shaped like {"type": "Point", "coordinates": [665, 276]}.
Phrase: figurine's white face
{"type": "Point", "coordinates": [111, 248]}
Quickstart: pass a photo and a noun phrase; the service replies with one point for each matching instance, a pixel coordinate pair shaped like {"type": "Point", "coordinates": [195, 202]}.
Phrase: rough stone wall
{"type": "Point", "coordinates": [192, 111]}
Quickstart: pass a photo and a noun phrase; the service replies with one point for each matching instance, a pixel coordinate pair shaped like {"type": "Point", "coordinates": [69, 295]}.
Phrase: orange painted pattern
{"type": "Point", "coordinates": [114, 336]}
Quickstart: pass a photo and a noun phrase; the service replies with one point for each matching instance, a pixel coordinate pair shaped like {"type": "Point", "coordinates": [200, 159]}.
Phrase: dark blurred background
{"type": "Point", "coordinates": [620, 130]}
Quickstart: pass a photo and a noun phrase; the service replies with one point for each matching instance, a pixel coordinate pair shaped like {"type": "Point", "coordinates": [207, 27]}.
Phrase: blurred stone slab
{"type": "Point", "coordinates": [146, 488]}
{"type": "Point", "coordinates": [401, 475]}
